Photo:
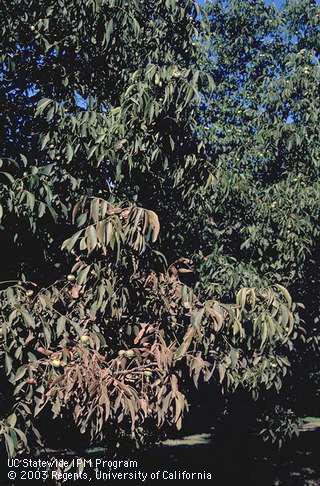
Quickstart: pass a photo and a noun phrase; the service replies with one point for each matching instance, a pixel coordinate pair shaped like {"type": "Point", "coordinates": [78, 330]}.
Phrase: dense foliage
{"type": "Point", "coordinates": [261, 202]}
{"type": "Point", "coordinates": [136, 139]}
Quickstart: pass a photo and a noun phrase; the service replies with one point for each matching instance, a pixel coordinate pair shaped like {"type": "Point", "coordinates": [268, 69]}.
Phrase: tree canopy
{"type": "Point", "coordinates": [158, 193]}
{"type": "Point", "coordinates": [261, 129]}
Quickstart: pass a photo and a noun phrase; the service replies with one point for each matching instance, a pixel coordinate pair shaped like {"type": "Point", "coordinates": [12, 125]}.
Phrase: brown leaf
{"type": "Point", "coordinates": [75, 291]}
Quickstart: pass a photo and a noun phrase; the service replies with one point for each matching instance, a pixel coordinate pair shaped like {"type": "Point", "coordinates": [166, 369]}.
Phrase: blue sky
{"type": "Point", "coordinates": [277, 2]}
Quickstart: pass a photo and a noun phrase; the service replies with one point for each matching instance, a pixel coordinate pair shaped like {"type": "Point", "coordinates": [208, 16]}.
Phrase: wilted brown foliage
{"type": "Point", "coordinates": [114, 342]}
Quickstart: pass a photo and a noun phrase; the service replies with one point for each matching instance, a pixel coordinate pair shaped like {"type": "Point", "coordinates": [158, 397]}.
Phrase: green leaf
{"type": "Point", "coordinates": [70, 242]}
{"type": "Point", "coordinates": [61, 325]}
{"type": "Point", "coordinates": [9, 445]}
{"type": "Point", "coordinates": [83, 274]}
{"type": "Point", "coordinates": [91, 236]}
{"type": "Point", "coordinates": [69, 153]}
{"type": "Point", "coordinates": [8, 176]}
{"type": "Point", "coordinates": [110, 232]}
{"type": "Point", "coordinates": [8, 363]}
{"type": "Point", "coordinates": [11, 420]}
{"type": "Point", "coordinates": [42, 104]}
{"type": "Point", "coordinates": [28, 319]}
{"type": "Point", "coordinates": [22, 436]}
{"type": "Point", "coordinates": [41, 209]}
{"type": "Point", "coordinates": [21, 372]}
